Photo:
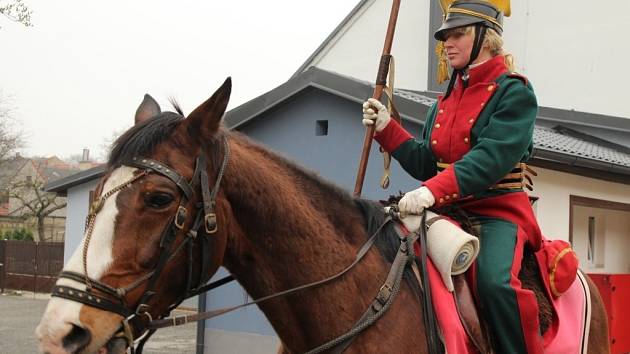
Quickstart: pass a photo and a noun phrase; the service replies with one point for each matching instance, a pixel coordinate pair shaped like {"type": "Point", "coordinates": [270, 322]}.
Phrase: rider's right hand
{"type": "Point", "coordinates": [375, 113]}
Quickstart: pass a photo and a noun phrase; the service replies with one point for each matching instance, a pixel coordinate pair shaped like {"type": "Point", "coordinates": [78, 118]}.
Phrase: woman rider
{"type": "Point", "coordinates": [472, 152]}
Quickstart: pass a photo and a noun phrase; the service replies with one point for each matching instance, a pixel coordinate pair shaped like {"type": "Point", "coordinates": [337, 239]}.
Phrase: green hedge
{"type": "Point", "coordinates": [21, 234]}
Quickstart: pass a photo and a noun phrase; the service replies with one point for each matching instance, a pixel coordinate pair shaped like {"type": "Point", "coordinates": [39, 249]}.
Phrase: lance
{"type": "Point", "coordinates": [381, 81]}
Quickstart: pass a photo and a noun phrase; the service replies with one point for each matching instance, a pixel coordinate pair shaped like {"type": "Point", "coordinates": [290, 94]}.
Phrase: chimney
{"type": "Point", "coordinates": [86, 155]}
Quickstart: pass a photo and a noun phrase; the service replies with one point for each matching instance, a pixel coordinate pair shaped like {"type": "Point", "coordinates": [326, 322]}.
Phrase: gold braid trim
{"type": "Point", "coordinates": [552, 276]}
{"type": "Point", "coordinates": [476, 14]}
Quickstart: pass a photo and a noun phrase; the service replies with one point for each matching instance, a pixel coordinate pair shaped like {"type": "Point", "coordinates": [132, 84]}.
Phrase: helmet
{"type": "Point", "coordinates": [470, 12]}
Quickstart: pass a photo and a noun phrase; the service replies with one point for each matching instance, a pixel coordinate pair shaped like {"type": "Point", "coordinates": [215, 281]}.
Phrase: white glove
{"type": "Point", "coordinates": [380, 119]}
{"type": "Point", "coordinates": [416, 201]}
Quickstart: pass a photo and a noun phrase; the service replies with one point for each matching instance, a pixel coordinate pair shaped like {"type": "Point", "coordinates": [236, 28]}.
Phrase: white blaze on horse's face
{"type": "Point", "coordinates": [62, 314]}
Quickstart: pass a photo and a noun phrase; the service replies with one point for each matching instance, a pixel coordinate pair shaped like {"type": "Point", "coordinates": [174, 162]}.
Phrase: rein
{"type": "Point", "coordinates": [138, 324]}
{"type": "Point", "coordinates": [381, 303]}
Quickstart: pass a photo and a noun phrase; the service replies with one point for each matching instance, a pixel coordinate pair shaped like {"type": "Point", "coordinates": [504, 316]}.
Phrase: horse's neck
{"type": "Point", "coordinates": [288, 237]}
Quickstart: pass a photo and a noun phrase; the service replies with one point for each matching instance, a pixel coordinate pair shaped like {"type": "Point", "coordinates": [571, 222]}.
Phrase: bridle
{"type": "Point", "coordinates": [134, 326]}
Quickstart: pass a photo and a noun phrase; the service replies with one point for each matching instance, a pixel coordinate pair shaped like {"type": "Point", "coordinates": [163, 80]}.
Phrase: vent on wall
{"type": "Point", "coordinates": [321, 127]}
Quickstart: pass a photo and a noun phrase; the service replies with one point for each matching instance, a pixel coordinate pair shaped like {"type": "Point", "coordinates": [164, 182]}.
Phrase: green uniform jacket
{"type": "Point", "coordinates": [482, 131]}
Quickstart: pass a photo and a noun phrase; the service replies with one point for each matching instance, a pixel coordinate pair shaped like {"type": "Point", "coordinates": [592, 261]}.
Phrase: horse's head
{"type": "Point", "coordinates": [156, 230]}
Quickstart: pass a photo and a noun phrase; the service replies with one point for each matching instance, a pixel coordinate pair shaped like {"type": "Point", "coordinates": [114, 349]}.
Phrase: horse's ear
{"type": "Point", "coordinates": [148, 108]}
{"type": "Point", "coordinates": [204, 121]}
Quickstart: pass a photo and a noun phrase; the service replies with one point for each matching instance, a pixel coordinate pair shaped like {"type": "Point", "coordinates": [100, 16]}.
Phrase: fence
{"type": "Point", "coordinates": [31, 266]}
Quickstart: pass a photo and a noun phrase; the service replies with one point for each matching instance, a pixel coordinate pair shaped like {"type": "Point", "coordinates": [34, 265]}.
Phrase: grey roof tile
{"type": "Point", "coordinates": [551, 140]}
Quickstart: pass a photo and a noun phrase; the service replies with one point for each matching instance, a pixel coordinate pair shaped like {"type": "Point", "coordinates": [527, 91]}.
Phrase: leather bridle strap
{"type": "Point", "coordinates": [153, 165]}
{"type": "Point", "coordinates": [382, 301]}
{"type": "Point", "coordinates": [90, 299]}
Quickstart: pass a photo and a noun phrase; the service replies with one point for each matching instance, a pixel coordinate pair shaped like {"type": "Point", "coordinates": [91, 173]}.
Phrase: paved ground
{"type": "Point", "coordinates": [19, 316]}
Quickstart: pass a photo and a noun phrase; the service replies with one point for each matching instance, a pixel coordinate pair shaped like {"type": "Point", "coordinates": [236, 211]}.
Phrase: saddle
{"type": "Point", "coordinates": [549, 273]}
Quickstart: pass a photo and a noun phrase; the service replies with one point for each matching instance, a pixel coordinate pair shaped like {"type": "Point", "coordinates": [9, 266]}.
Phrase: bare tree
{"type": "Point", "coordinates": [10, 138]}
{"type": "Point", "coordinates": [35, 203]}
{"type": "Point", "coordinates": [17, 11]}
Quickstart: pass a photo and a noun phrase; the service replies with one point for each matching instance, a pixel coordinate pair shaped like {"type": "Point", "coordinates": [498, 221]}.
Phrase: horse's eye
{"type": "Point", "coordinates": [158, 200]}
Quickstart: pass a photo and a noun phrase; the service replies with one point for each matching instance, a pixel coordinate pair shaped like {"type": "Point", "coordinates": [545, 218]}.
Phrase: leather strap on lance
{"type": "Point", "coordinates": [387, 70]}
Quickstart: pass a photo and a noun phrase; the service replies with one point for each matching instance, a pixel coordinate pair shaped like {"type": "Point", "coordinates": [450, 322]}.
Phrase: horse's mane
{"type": "Point", "coordinates": [387, 243]}
{"type": "Point", "coordinates": [142, 138]}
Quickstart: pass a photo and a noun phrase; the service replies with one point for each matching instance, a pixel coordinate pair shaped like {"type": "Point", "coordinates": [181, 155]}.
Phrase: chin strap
{"type": "Point", "coordinates": [480, 35]}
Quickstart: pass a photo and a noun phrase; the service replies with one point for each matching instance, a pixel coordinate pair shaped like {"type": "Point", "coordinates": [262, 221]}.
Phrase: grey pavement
{"type": "Point", "coordinates": [19, 315]}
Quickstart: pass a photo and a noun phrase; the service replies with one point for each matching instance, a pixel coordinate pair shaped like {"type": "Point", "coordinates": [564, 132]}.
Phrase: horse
{"type": "Point", "coordinates": [182, 197]}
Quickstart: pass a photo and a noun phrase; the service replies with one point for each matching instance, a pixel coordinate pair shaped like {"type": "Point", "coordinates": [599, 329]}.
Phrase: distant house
{"type": "Point", "coordinates": [19, 179]}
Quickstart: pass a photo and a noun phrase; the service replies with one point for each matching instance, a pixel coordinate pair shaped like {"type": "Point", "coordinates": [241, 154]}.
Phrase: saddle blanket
{"type": "Point", "coordinates": [568, 333]}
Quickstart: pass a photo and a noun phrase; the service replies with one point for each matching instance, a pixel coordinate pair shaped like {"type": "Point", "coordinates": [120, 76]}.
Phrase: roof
{"type": "Point", "coordinates": [588, 144]}
{"type": "Point", "coordinates": [62, 185]}
{"type": "Point", "coordinates": [559, 139]}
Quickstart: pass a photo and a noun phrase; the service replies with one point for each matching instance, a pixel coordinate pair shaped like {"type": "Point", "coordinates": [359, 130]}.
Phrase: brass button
{"type": "Point", "coordinates": [455, 195]}
{"type": "Point", "coordinates": [437, 125]}
{"type": "Point", "coordinates": [483, 104]}
{"type": "Point", "coordinates": [441, 200]}
{"type": "Point", "coordinates": [440, 159]}
{"type": "Point", "coordinates": [491, 87]}
{"type": "Point", "coordinates": [441, 111]}
{"type": "Point", "coordinates": [466, 140]}
{"type": "Point", "coordinates": [471, 120]}
{"type": "Point", "coordinates": [434, 142]}
{"type": "Point", "coordinates": [447, 197]}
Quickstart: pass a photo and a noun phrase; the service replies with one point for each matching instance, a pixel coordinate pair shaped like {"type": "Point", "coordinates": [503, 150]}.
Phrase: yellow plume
{"type": "Point", "coordinates": [442, 73]}
{"type": "Point", "coordinates": [444, 4]}
{"type": "Point", "coordinates": [502, 5]}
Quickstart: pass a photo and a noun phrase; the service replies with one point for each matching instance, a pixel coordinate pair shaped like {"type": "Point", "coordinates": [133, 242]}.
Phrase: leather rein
{"type": "Point", "coordinates": [138, 324]}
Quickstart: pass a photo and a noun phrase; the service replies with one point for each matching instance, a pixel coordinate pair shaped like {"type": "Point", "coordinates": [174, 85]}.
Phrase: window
{"type": "Point", "coordinates": [321, 127]}
{"type": "Point", "coordinates": [590, 252]}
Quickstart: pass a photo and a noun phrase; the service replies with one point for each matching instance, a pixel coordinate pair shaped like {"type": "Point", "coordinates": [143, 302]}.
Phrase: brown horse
{"type": "Point", "coordinates": [277, 227]}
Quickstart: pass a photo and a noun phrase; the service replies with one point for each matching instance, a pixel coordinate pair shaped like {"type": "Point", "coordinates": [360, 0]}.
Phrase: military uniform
{"type": "Point", "coordinates": [471, 140]}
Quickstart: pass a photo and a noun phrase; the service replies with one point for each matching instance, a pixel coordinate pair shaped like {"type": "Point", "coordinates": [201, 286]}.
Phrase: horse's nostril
{"type": "Point", "coordinates": [77, 339]}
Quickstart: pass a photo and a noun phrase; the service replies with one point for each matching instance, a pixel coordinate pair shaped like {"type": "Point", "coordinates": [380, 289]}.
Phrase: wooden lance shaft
{"type": "Point", "coordinates": [381, 81]}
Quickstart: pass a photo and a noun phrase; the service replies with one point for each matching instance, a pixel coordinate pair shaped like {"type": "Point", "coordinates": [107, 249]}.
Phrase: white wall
{"type": "Point", "coordinates": [612, 243]}
{"type": "Point", "coordinates": [573, 51]}
{"type": "Point", "coordinates": [555, 189]}
{"type": "Point", "coordinates": [357, 49]}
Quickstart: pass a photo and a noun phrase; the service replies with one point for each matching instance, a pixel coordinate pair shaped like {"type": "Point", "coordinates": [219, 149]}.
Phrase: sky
{"type": "Point", "coordinates": [76, 77]}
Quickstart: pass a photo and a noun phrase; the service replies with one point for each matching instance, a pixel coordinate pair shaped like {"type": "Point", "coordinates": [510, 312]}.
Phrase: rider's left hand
{"type": "Point", "coordinates": [416, 201]}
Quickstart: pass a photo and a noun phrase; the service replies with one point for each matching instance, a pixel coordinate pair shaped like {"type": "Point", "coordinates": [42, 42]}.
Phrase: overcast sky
{"type": "Point", "coordinates": [78, 75]}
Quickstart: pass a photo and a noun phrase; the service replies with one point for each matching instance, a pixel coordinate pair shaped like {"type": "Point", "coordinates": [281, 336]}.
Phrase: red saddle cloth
{"type": "Point", "coordinates": [569, 298]}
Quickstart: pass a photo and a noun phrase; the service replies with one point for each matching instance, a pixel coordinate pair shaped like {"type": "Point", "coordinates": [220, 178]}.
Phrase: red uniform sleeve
{"type": "Point", "coordinates": [392, 136]}
{"type": "Point", "coordinates": [444, 187]}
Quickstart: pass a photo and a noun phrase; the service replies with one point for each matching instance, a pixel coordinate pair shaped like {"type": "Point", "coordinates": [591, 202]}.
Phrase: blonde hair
{"type": "Point", "coordinates": [492, 41]}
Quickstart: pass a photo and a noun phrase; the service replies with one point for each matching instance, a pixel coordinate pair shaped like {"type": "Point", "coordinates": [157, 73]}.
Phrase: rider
{"type": "Point", "coordinates": [471, 153]}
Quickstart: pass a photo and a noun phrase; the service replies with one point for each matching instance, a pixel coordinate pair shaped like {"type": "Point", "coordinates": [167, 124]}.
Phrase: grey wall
{"type": "Point", "coordinates": [76, 212]}
{"type": "Point", "coordinates": [290, 129]}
